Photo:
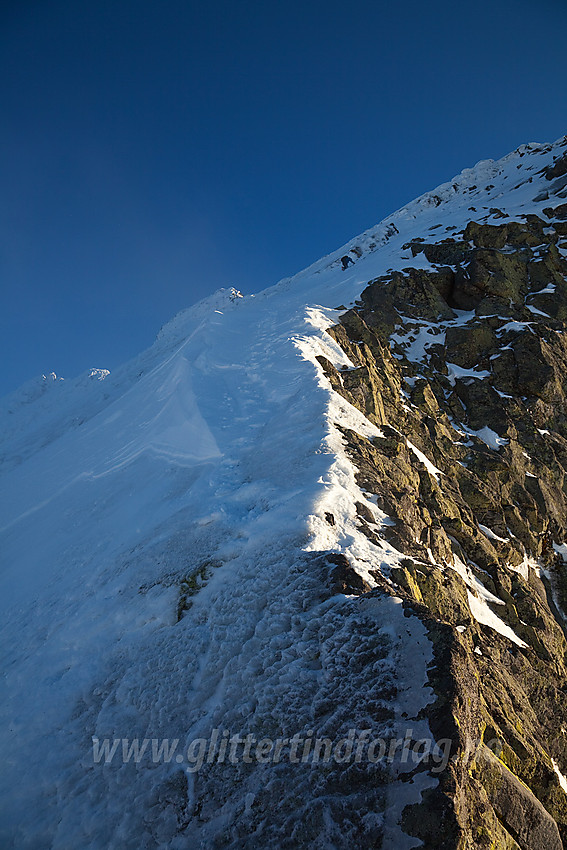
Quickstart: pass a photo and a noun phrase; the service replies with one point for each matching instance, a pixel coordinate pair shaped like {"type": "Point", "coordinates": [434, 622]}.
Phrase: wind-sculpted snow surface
{"type": "Point", "coordinates": [202, 645]}
{"type": "Point", "coordinates": [212, 465]}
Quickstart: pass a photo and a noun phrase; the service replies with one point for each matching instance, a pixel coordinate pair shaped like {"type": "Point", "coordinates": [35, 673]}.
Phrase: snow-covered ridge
{"type": "Point", "coordinates": [211, 461]}
{"type": "Point", "coordinates": [213, 452]}
{"type": "Point", "coordinates": [487, 179]}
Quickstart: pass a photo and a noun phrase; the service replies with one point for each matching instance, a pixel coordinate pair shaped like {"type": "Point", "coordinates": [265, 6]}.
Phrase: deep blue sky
{"type": "Point", "coordinates": [155, 150]}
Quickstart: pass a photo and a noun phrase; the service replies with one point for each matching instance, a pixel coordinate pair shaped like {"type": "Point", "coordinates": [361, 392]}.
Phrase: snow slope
{"type": "Point", "coordinates": [212, 459]}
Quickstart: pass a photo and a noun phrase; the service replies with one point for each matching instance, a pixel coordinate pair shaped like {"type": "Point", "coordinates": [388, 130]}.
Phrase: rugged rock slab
{"type": "Point", "coordinates": [464, 366]}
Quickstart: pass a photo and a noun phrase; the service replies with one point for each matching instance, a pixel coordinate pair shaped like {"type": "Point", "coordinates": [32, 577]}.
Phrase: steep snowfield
{"type": "Point", "coordinates": [213, 454]}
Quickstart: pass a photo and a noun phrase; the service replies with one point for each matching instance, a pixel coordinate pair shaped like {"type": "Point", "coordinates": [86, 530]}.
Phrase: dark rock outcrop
{"type": "Point", "coordinates": [487, 405]}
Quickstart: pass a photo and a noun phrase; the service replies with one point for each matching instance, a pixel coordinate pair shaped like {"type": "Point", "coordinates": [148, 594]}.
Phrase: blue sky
{"type": "Point", "coordinates": [153, 151]}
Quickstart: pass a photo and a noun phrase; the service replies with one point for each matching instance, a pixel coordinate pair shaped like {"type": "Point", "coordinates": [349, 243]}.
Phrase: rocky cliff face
{"type": "Point", "coordinates": [466, 363]}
